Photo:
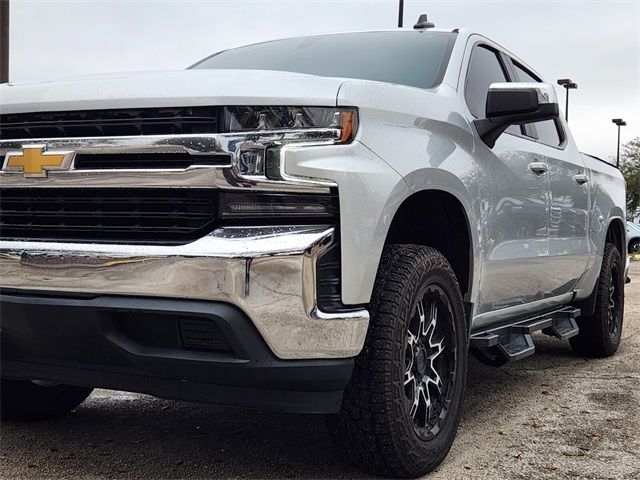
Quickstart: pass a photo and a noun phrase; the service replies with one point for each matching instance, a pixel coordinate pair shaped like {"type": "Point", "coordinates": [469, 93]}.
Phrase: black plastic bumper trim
{"type": "Point", "coordinates": [76, 341]}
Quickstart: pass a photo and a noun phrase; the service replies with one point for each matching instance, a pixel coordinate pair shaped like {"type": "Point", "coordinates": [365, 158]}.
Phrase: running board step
{"type": "Point", "coordinates": [511, 342]}
{"type": "Point", "coordinates": [516, 346]}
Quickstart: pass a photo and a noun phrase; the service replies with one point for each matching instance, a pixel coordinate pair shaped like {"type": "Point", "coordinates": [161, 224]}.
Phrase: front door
{"type": "Point", "coordinates": [516, 242]}
{"type": "Point", "coordinates": [513, 196]}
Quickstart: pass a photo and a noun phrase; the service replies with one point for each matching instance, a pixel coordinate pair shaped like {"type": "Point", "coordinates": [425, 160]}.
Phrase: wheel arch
{"type": "Point", "coordinates": [445, 224]}
{"type": "Point", "coordinates": [617, 234]}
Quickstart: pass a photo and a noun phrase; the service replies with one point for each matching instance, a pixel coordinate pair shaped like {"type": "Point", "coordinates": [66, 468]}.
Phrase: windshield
{"type": "Point", "coordinates": [417, 59]}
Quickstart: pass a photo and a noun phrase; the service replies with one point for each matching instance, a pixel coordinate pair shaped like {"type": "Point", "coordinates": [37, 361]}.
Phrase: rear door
{"type": "Point", "coordinates": [569, 200]}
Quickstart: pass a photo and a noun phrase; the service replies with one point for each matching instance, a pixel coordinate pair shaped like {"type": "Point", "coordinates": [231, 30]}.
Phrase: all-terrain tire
{"type": "Point", "coordinates": [375, 428]}
{"type": "Point", "coordinates": [600, 333]}
{"type": "Point", "coordinates": [25, 400]}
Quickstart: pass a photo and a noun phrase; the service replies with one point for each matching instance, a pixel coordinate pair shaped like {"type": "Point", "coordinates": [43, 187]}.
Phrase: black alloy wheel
{"type": "Point", "coordinates": [430, 362]}
{"type": "Point", "coordinates": [614, 314]}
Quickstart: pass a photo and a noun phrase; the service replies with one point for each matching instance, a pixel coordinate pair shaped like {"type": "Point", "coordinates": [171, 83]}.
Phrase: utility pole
{"type": "Point", "coordinates": [4, 41]}
{"type": "Point", "coordinates": [400, 13]}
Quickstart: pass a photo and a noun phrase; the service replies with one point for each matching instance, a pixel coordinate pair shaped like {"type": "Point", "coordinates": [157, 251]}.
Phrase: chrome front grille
{"type": "Point", "coordinates": [144, 188]}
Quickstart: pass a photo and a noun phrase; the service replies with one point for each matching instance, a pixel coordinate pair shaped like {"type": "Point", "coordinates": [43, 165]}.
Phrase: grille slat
{"type": "Point", "coordinates": [49, 228]}
{"type": "Point", "coordinates": [166, 216]}
{"type": "Point", "coordinates": [112, 122]}
{"type": "Point", "coordinates": [108, 215]}
{"type": "Point", "coordinates": [112, 161]}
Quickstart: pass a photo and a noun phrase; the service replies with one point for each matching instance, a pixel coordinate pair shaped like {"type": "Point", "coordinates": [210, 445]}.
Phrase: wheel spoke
{"type": "Point", "coordinates": [438, 347]}
{"type": "Point", "coordinates": [433, 311]}
{"type": "Point", "coordinates": [425, 398]}
{"type": "Point", "coordinates": [612, 302]}
{"type": "Point", "coordinates": [435, 379]}
{"type": "Point", "coordinates": [411, 339]}
{"type": "Point", "coordinates": [409, 377]}
{"type": "Point", "coordinates": [421, 319]}
{"type": "Point", "coordinates": [429, 328]}
{"type": "Point", "coordinates": [409, 352]}
{"type": "Point", "coordinates": [416, 401]}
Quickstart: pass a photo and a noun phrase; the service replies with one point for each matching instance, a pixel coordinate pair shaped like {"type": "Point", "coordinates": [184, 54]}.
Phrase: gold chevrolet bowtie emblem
{"type": "Point", "coordinates": [36, 161]}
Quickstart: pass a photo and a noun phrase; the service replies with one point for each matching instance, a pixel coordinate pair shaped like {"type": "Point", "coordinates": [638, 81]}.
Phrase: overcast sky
{"type": "Point", "coordinates": [597, 44]}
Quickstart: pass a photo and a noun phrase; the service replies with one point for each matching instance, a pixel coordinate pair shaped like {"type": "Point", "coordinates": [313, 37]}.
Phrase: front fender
{"type": "Point", "coordinates": [370, 193]}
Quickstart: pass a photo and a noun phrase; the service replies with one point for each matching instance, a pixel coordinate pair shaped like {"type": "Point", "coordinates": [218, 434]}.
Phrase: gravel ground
{"type": "Point", "coordinates": [553, 415]}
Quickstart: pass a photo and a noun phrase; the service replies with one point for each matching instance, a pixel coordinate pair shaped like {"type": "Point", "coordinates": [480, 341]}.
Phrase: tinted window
{"type": "Point", "coordinates": [484, 69]}
{"type": "Point", "coordinates": [547, 131]}
{"type": "Point", "coordinates": [524, 75]}
{"type": "Point", "coordinates": [417, 59]}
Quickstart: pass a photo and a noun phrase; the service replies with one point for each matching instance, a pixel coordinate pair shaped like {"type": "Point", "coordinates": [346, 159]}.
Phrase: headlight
{"type": "Point", "coordinates": [275, 118]}
{"type": "Point", "coordinates": [263, 131]}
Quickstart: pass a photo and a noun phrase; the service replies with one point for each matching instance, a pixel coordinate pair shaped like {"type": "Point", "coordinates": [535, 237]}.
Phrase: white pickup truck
{"type": "Point", "coordinates": [322, 224]}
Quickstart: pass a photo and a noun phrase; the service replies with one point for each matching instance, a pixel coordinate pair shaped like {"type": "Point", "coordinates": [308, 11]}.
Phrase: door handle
{"type": "Point", "coordinates": [538, 167]}
{"type": "Point", "coordinates": [581, 178]}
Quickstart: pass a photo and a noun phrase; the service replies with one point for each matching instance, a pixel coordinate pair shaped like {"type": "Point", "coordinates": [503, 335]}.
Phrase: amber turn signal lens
{"type": "Point", "coordinates": [348, 126]}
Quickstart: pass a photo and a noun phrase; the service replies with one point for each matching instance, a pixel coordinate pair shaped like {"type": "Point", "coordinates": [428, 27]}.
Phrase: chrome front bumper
{"type": "Point", "coordinates": [269, 273]}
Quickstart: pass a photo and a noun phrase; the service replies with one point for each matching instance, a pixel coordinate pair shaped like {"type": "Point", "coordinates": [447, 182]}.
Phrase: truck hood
{"type": "Point", "coordinates": [170, 89]}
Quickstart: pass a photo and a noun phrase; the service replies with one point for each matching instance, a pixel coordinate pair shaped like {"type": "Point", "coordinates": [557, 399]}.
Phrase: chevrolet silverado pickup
{"type": "Point", "coordinates": [326, 224]}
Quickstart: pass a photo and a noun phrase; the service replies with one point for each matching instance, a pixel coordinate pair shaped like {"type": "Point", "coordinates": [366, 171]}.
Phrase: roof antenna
{"type": "Point", "coordinates": [423, 22]}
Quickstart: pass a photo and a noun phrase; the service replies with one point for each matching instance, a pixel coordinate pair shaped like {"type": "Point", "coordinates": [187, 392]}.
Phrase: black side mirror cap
{"type": "Point", "coordinates": [516, 104]}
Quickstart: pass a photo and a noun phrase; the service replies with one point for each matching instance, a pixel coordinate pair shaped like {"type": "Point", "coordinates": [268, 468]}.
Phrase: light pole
{"type": "Point", "coordinates": [400, 13]}
{"type": "Point", "coordinates": [620, 123]}
{"type": "Point", "coordinates": [568, 84]}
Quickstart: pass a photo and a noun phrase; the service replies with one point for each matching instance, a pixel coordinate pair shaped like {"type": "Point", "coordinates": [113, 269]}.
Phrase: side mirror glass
{"type": "Point", "coordinates": [516, 104]}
